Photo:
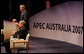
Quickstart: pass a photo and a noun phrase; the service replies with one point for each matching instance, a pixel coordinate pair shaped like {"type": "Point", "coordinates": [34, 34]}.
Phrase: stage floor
{"type": "Point", "coordinates": [41, 45]}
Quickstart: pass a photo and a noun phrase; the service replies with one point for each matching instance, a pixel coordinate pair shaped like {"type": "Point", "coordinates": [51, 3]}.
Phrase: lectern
{"type": "Point", "coordinates": [9, 27]}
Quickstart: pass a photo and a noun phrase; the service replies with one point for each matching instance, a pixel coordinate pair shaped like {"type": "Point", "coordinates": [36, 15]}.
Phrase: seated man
{"type": "Point", "coordinates": [14, 20]}
{"type": "Point", "coordinates": [22, 32]}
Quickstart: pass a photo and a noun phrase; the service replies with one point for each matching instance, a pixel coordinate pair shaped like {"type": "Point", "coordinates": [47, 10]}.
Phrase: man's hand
{"type": "Point", "coordinates": [17, 24]}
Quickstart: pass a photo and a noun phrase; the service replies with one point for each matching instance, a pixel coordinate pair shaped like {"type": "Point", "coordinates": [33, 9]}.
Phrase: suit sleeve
{"type": "Point", "coordinates": [25, 16]}
{"type": "Point", "coordinates": [18, 32]}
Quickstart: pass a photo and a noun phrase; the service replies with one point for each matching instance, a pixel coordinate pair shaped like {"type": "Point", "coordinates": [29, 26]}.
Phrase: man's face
{"type": "Point", "coordinates": [21, 8]}
{"type": "Point", "coordinates": [20, 25]}
{"type": "Point", "coordinates": [14, 20]}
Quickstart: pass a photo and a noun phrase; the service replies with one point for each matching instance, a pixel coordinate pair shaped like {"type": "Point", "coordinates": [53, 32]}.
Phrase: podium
{"type": "Point", "coordinates": [9, 27]}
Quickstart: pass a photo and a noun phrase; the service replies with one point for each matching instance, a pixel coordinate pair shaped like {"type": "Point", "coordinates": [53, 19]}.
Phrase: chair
{"type": "Point", "coordinates": [2, 37]}
{"type": "Point", "coordinates": [21, 43]}
{"type": "Point", "coordinates": [2, 31]}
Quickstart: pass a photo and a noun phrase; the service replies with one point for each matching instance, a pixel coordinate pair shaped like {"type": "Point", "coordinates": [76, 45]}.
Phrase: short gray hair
{"type": "Point", "coordinates": [23, 22]}
{"type": "Point", "coordinates": [22, 6]}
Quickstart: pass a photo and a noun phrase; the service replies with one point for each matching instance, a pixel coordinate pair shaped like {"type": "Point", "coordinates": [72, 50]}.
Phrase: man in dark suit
{"type": "Point", "coordinates": [22, 32]}
{"type": "Point", "coordinates": [24, 15]}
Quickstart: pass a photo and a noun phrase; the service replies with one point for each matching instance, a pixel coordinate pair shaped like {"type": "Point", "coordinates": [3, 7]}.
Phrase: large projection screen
{"type": "Point", "coordinates": [63, 22]}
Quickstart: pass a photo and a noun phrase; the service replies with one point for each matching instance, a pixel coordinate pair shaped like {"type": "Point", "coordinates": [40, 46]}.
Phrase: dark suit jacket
{"type": "Point", "coordinates": [22, 33]}
{"type": "Point", "coordinates": [24, 15]}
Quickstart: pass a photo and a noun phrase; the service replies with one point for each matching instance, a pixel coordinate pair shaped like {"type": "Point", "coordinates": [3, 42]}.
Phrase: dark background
{"type": "Point", "coordinates": [35, 7]}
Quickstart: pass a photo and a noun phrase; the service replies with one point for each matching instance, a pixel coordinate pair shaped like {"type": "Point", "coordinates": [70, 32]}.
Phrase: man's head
{"type": "Point", "coordinates": [22, 23]}
{"type": "Point", "coordinates": [22, 7]}
{"type": "Point", "coordinates": [14, 20]}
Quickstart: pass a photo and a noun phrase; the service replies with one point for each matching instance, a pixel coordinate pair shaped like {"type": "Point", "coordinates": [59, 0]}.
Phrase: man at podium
{"type": "Point", "coordinates": [22, 32]}
{"type": "Point", "coordinates": [24, 15]}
